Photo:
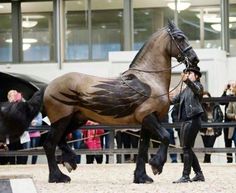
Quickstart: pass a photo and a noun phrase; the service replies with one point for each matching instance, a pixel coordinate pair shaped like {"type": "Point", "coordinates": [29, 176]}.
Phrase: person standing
{"type": "Point", "coordinates": [15, 96]}
{"type": "Point", "coordinates": [190, 110]}
{"type": "Point", "coordinates": [92, 139]}
{"type": "Point", "coordinates": [231, 115]}
{"type": "Point", "coordinates": [212, 113]}
{"type": "Point", "coordinates": [228, 141]}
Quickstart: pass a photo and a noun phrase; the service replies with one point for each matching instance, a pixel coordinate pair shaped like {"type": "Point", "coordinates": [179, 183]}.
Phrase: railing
{"type": "Point", "coordinates": [111, 150]}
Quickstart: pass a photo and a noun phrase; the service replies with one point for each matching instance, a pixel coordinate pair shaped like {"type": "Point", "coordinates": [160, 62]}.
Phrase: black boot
{"type": "Point", "coordinates": [183, 179]}
{"type": "Point", "coordinates": [199, 177]}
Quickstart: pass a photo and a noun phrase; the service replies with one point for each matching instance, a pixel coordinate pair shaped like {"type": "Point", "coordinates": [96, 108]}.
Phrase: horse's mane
{"type": "Point", "coordinates": [176, 32]}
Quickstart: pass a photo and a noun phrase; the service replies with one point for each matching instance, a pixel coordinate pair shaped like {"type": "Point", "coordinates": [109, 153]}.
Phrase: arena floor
{"type": "Point", "coordinates": [118, 179]}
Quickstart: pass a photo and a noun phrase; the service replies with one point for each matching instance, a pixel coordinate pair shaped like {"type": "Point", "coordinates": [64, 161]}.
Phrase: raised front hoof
{"type": "Point", "coordinates": [62, 178]}
{"type": "Point", "coordinates": [143, 179]}
{"type": "Point", "coordinates": [156, 166]}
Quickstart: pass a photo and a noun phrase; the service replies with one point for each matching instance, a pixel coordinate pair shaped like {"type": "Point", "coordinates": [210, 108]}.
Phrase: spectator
{"type": "Point", "coordinates": [212, 113]}
{"type": "Point", "coordinates": [231, 115]}
{"type": "Point", "coordinates": [127, 138]}
{"type": "Point", "coordinates": [76, 136]}
{"type": "Point", "coordinates": [15, 96]}
{"type": "Point", "coordinates": [93, 142]}
{"type": "Point", "coordinates": [228, 142]}
{"type": "Point", "coordinates": [35, 135]}
{"type": "Point", "coordinates": [105, 143]}
{"type": "Point", "coordinates": [190, 111]}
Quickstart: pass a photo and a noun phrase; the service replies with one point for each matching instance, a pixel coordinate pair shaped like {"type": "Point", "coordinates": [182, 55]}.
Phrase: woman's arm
{"type": "Point", "coordinates": [196, 86]}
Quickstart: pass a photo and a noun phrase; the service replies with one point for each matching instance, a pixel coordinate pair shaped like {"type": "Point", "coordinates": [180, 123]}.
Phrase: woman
{"type": "Point", "coordinates": [212, 113]}
{"type": "Point", "coordinates": [190, 111]}
{"type": "Point", "coordinates": [231, 115]}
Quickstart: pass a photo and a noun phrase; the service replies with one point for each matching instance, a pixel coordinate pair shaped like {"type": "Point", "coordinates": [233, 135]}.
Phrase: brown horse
{"type": "Point", "coordinates": [138, 96]}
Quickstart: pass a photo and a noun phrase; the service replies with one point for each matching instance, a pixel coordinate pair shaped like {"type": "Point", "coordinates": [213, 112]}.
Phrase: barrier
{"type": "Point", "coordinates": [111, 151]}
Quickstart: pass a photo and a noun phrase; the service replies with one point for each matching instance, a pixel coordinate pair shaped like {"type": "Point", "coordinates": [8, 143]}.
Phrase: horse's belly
{"type": "Point", "coordinates": [130, 119]}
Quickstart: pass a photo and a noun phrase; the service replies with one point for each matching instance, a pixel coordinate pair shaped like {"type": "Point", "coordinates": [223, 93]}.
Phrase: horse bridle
{"type": "Point", "coordinates": [182, 57]}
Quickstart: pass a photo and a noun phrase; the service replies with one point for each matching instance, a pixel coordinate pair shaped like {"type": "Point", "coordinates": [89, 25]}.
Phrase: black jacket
{"type": "Point", "coordinates": [217, 116]}
{"type": "Point", "coordinates": [191, 98]}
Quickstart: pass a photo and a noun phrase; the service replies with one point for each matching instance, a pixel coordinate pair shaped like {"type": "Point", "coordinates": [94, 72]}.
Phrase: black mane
{"type": "Point", "coordinates": [176, 33]}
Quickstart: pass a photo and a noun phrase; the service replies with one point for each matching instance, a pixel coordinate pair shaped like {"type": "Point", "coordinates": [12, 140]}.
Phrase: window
{"type": "Point", "coordinates": [5, 33]}
{"type": "Point", "coordinates": [232, 27]}
{"type": "Point", "coordinates": [93, 28]}
{"type": "Point", "coordinates": [149, 16]}
{"type": "Point", "coordinates": [37, 27]}
{"type": "Point", "coordinates": [77, 31]}
{"type": "Point", "coordinates": [201, 24]}
{"type": "Point", "coordinates": [107, 27]}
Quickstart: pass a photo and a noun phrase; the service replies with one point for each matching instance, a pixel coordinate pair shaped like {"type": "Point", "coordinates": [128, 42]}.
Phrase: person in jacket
{"type": "Point", "coordinates": [190, 110]}
{"type": "Point", "coordinates": [228, 131]}
{"type": "Point", "coordinates": [231, 115]}
{"type": "Point", "coordinates": [92, 140]}
{"type": "Point", "coordinates": [212, 113]}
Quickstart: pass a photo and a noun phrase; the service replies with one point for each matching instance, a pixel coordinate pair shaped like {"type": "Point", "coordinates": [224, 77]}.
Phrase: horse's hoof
{"type": "Point", "coordinates": [156, 168]}
{"type": "Point", "coordinates": [59, 179]}
{"type": "Point", "coordinates": [145, 179]}
{"type": "Point", "coordinates": [68, 166]}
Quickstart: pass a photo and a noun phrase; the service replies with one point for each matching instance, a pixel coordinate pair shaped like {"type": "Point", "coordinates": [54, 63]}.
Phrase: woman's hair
{"type": "Point", "coordinates": [205, 104]}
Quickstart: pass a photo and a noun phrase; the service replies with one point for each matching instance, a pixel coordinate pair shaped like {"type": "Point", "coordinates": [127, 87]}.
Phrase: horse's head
{"type": "Point", "coordinates": [180, 48]}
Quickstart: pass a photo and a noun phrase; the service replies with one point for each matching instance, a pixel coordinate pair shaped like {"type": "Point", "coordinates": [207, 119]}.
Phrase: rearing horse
{"type": "Point", "coordinates": [137, 96]}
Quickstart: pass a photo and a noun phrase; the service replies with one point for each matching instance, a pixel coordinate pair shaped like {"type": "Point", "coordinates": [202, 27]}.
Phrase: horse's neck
{"type": "Point", "coordinates": [156, 66]}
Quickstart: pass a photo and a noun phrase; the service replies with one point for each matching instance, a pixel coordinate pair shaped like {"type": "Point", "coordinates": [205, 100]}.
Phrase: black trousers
{"type": "Point", "coordinates": [208, 141]}
{"type": "Point", "coordinates": [228, 143]}
{"type": "Point", "coordinates": [188, 133]}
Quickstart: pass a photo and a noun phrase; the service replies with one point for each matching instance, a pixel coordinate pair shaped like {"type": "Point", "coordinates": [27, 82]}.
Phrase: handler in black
{"type": "Point", "coordinates": [189, 113]}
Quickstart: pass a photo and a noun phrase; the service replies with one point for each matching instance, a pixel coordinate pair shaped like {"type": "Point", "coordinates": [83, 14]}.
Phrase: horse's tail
{"type": "Point", "coordinates": [35, 103]}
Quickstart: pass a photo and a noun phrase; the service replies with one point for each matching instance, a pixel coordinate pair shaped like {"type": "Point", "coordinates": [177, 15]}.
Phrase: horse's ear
{"type": "Point", "coordinates": [171, 24]}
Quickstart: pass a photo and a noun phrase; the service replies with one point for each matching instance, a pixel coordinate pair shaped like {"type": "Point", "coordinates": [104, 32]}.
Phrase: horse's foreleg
{"type": "Point", "coordinates": [53, 138]}
{"type": "Point", "coordinates": [140, 175]}
{"type": "Point", "coordinates": [157, 162]}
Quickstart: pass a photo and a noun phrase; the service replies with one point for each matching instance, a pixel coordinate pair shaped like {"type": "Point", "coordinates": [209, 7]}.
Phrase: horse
{"type": "Point", "coordinates": [138, 96]}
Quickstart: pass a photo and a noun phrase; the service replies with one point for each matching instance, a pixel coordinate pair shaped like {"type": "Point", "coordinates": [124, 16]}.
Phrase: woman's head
{"type": "Point", "coordinates": [206, 94]}
{"type": "Point", "coordinates": [193, 73]}
{"type": "Point", "coordinates": [14, 96]}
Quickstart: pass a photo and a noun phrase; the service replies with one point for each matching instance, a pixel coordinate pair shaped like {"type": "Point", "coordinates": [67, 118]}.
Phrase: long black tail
{"type": "Point", "coordinates": [35, 103]}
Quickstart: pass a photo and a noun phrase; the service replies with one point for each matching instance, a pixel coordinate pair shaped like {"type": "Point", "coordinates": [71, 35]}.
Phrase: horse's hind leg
{"type": "Point", "coordinates": [68, 155]}
{"type": "Point", "coordinates": [55, 134]}
{"type": "Point", "coordinates": [140, 175]}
